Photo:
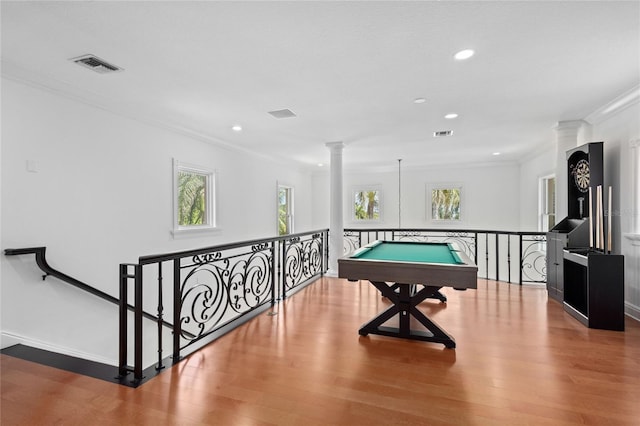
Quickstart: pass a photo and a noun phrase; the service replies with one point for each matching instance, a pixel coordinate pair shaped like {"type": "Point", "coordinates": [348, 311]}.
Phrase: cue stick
{"type": "Point", "coordinates": [590, 221]}
{"type": "Point", "coordinates": [601, 213]}
{"type": "Point", "coordinates": [609, 224]}
{"type": "Point", "coordinates": [399, 199]}
{"type": "Point", "coordinates": [597, 217]}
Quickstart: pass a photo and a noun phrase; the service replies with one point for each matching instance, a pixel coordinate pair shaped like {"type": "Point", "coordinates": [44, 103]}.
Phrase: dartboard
{"type": "Point", "coordinates": [581, 175]}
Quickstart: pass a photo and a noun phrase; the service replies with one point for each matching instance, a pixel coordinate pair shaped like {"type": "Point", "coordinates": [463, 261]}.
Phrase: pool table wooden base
{"type": "Point", "coordinates": [405, 302]}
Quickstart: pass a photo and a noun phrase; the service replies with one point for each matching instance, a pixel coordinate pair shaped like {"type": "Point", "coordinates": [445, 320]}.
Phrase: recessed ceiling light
{"type": "Point", "coordinates": [496, 153]}
{"type": "Point", "coordinates": [237, 128]}
{"type": "Point", "coordinates": [320, 165]}
{"type": "Point", "coordinates": [464, 54]}
{"type": "Point", "coordinates": [451, 116]}
{"type": "Point", "coordinates": [419, 100]}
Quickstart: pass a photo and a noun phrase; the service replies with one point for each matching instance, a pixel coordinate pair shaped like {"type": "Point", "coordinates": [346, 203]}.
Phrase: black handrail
{"type": "Point", "coordinates": [155, 258]}
{"type": "Point", "coordinates": [41, 261]}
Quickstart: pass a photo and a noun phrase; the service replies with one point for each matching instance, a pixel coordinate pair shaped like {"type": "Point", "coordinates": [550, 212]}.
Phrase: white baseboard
{"type": "Point", "coordinates": [632, 310]}
{"type": "Point", "coordinates": [9, 339]}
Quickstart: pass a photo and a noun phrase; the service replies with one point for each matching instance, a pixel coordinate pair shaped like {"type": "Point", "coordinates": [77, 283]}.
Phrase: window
{"type": "Point", "coordinates": [285, 210]}
{"type": "Point", "coordinates": [547, 203]}
{"type": "Point", "coordinates": [366, 204]}
{"type": "Point", "coordinates": [194, 202]}
{"type": "Point", "coordinates": [444, 202]}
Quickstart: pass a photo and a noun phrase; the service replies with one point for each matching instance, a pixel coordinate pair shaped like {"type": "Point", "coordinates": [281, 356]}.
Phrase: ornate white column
{"type": "Point", "coordinates": [635, 185]}
{"type": "Point", "coordinates": [336, 221]}
{"type": "Point", "coordinates": [569, 134]}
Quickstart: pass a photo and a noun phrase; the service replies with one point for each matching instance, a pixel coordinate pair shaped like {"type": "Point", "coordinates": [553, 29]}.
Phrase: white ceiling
{"type": "Point", "coordinates": [349, 70]}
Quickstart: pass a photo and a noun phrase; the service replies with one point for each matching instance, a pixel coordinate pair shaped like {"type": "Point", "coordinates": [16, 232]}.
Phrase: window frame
{"type": "Point", "coordinates": [352, 202]}
{"type": "Point", "coordinates": [290, 210]}
{"type": "Point", "coordinates": [210, 199]}
{"type": "Point", "coordinates": [430, 187]}
{"type": "Point", "coordinates": [543, 207]}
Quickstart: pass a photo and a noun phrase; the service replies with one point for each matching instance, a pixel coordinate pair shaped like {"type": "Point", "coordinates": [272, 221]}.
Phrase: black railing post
{"type": "Point", "coordinates": [486, 252]}
{"type": "Point", "coordinates": [137, 355]}
{"type": "Point", "coordinates": [123, 311]}
{"type": "Point", "coordinates": [160, 311]}
{"type": "Point", "coordinates": [273, 274]}
{"type": "Point", "coordinates": [521, 260]}
{"type": "Point", "coordinates": [509, 257]}
{"type": "Point", "coordinates": [278, 284]}
{"type": "Point", "coordinates": [177, 306]}
{"type": "Point", "coordinates": [497, 257]}
{"type": "Point", "coordinates": [284, 269]}
{"type": "Point", "coordinates": [475, 247]}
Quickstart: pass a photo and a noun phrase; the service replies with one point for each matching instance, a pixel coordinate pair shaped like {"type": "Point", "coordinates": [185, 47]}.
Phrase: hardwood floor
{"type": "Point", "coordinates": [520, 360]}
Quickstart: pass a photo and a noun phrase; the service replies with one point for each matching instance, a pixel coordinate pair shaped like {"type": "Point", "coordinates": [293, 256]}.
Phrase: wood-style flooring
{"type": "Point", "coordinates": [520, 360]}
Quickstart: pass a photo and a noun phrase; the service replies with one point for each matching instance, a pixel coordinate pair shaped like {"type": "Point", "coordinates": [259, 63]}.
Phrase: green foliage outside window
{"type": "Point", "coordinates": [192, 205]}
{"type": "Point", "coordinates": [367, 205]}
{"type": "Point", "coordinates": [282, 212]}
{"type": "Point", "coordinates": [445, 204]}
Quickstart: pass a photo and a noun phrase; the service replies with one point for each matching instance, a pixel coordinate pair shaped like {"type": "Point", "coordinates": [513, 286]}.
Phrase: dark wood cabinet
{"type": "Point", "coordinates": [588, 282]}
{"type": "Point", "coordinates": [584, 170]}
{"type": "Point", "coordinates": [569, 233]}
{"type": "Point", "coordinates": [594, 288]}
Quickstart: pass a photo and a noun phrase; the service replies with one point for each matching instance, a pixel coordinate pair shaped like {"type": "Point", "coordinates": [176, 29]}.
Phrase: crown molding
{"type": "Point", "coordinates": [62, 89]}
{"type": "Point", "coordinates": [615, 106]}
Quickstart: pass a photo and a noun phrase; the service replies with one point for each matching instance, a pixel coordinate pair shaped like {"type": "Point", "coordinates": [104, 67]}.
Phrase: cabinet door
{"type": "Point", "coordinates": [560, 245]}
{"type": "Point", "coordinates": [551, 264]}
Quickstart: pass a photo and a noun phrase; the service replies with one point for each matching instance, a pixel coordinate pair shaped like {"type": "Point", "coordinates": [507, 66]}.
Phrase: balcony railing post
{"type": "Point", "coordinates": [486, 253]}
{"type": "Point", "coordinates": [273, 273]}
{"type": "Point", "coordinates": [160, 312]}
{"type": "Point", "coordinates": [497, 257]}
{"type": "Point", "coordinates": [475, 247]}
{"type": "Point", "coordinates": [177, 306]}
{"type": "Point", "coordinates": [325, 261]}
{"type": "Point", "coordinates": [137, 354]}
{"type": "Point", "coordinates": [284, 269]}
{"type": "Point", "coordinates": [122, 357]}
{"type": "Point", "coordinates": [521, 259]}
{"type": "Point", "coordinates": [509, 257]}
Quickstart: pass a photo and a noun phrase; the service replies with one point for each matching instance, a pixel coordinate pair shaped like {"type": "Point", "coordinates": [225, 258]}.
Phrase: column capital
{"type": "Point", "coordinates": [570, 125]}
{"type": "Point", "coordinates": [339, 145]}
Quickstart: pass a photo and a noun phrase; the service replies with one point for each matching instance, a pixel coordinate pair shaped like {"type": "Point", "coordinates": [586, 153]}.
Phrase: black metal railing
{"type": "Point", "coordinates": [500, 255]}
{"type": "Point", "coordinates": [213, 290]}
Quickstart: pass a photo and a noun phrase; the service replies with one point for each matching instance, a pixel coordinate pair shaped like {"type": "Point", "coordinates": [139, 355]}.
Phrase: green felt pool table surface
{"type": "Point", "coordinates": [407, 251]}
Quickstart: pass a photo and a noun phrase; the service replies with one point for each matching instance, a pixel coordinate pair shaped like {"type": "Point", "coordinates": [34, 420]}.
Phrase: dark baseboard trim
{"type": "Point", "coordinates": [81, 366]}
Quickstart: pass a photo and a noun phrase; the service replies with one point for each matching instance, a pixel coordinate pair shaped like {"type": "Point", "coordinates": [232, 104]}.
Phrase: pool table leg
{"type": "Point", "coordinates": [405, 299]}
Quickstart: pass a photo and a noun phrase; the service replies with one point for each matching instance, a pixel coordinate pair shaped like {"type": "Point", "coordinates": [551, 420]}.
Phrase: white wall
{"type": "Point", "coordinates": [490, 196]}
{"type": "Point", "coordinates": [102, 195]}
{"type": "Point", "coordinates": [537, 166]}
{"type": "Point", "coordinates": [617, 130]}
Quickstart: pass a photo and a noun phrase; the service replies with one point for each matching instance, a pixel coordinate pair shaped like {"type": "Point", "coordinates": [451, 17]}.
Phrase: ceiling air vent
{"type": "Point", "coordinates": [442, 133]}
{"type": "Point", "coordinates": [96, 64]}
{"type": "Point", "coordinates": [283, 113]}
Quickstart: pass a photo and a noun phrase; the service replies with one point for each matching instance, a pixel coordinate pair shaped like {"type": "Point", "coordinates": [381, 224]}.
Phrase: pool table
{"type": "Point", "coordinates": [397, 268]}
